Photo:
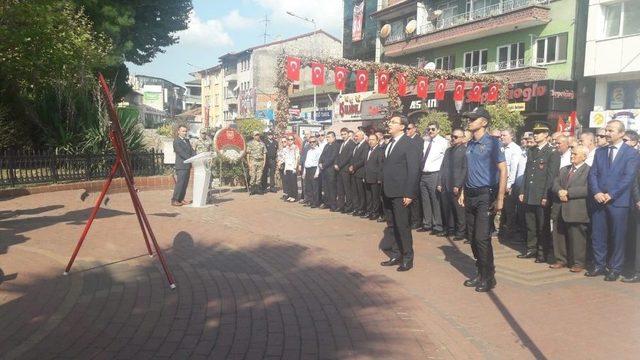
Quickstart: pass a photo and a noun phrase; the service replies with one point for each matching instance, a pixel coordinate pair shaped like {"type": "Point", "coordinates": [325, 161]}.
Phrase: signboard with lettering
{"type": "Point", "coordinates": [348, 106]}
{"type": "Point", "coordinates": [629, 117]}
{"type": "Point", "coordinates": [358, 19]}
{"type": "Point", "coordinates": [375, 109]}
{"type": "Point", "coordinates": [519, 106]}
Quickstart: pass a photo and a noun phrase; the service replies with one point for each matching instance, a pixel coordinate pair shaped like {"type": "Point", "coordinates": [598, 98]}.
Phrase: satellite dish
{"type": "Point", "coordinates": [437, 13]}
{"type": "Point", "coordinates": [385, 31]}
{"type": "Point", "coordinates": [411, 27]}
{"type": "Point", "coordinates": [430, 66]}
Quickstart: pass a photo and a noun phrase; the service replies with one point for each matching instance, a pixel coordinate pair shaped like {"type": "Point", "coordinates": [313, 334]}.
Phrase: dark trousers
{"type": "Point", "coordinates": [311, 185]}
{"type": "Point", "coordinates": [538, 220]}
{"type": "Point", "coordinates": [455, 217]}
{"type": "Point", "coordinates": [509, 215]}
{"type": "Point", "coordinates": [399, 217]}
{"type": "Point", "coordinates": [344, 190]}
{"type": "Point", "coordinates": [569, 242]}
{"type": "Point", "coordinates": [269, 174]}
{"type": "Point", "coordinates": [329, 184]}
{"type": "Point", "coordinates": [633, 240]}
{"type": "Point", "coordinates": [372, 193]}
{"type": "Point", "coordinates": [182, 181]}
{"type": "Point", "coordinates": [432, 214]}
{"type": "Point", "coordinates": [609, 229]}
{"type": "Point", "coordinates": [477, 203]}
{"type": "Point", "coordinates": [359, 200]}
{"type": "Point", "coordinates": [290, 184]}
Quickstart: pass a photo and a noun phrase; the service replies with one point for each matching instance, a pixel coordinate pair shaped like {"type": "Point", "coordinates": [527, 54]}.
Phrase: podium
{"type": "Point", "coordinates": [201, 177]}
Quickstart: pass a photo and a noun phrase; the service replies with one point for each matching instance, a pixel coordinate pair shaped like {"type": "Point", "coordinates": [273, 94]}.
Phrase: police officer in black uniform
{"type": "Point", "coordinates": [543, 164]}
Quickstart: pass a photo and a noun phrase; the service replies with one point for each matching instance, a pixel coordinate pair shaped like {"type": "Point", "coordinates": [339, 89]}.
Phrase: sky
{"type": "Point", "coordinates": [221, 26]}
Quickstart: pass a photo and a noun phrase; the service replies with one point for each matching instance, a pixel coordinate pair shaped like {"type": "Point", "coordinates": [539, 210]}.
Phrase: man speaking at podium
{"type": "Point", "coordinates": [182, 148]}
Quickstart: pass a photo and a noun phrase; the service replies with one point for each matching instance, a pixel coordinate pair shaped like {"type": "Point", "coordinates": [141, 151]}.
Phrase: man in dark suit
{"type": "Point", "coordinates": [610, 178]}
{"type": "Point", "coordinates": [356, 168]}
{"type": "Point", "coordinates": [570, 202]}
{"type": "Point", "coordinates": [400, 173]}
{"type": "Point", "coordinates": [412, 133]}
{"type": "Point", "coordinates": [328, 172]}
{"type": "Point", "coordinates": [345, 152]}
{"type": "Point", "coordinates": [269, 173]}
{"type": "Point", "coordinates": [634, 232]}
{"type": "Point", "coordinates": [182, 148]}
{"type": "Point", "coordinates": [542, 167]}
{"type": "Point", "coordinates": [373, 178]}
{"type": "Point", "coordinates": [453, 175]}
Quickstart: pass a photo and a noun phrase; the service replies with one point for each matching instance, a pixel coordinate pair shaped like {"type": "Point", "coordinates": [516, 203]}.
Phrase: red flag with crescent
{"type": "Point", "coordinates": [341, 74]}
{"type": "Point", "coordinates": [422, 86]}
{"type": "Point", "coordinates": [493, 92]}
{"type": "Point", "coordinates": [362, 80]}
{"type": "Point", "coordinates": [441, 85]}
{"type": "Point", "coordinates": [458, 91]}
{"type": "Point", "coordinates": [475, 94]}
{"type": "Point", "coordinates": [402, 84]}
{"type": "Point", "coordinates": [317, 74]}
{"type": "Point", "coordinates": [383, 82]}
{"type": "Point", "coordinates": [293, 68]}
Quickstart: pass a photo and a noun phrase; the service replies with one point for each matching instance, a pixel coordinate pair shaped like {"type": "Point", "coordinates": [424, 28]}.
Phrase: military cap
{"type": "Point", "coordinates": [541, 126]}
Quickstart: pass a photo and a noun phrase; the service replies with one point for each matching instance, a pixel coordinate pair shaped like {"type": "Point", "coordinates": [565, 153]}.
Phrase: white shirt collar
{"type": "Point", "coordinates": [396, 138]}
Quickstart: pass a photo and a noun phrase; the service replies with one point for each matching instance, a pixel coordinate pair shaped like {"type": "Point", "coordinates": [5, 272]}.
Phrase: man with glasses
{"type": "Point", "coordinates": [483, 194]}
{"type": "Point", "coordinates": [542, 167]}
{"type": "Point", "coordinates": [453, 174]}
{"type": "Point", "coordinates": [514, 160]}
{"type": "Point", "coordinates": [311, 173]}
{"type": "Point", "coordinates": [601, 138]}
{"type": "Point", "coordinates": [432, 156]}
{"type": "Point", "coordinates": [356, 169]}
{"type": "Point", "coordinates": [412, 133]}
{"type": "Point", "coordinates": [290, 160]}
{"type": "Point", "coordinates": [588, 139]}
{"type": "Point", "coordinates": [328, 172]}
{"type": "Point", "coordinates": [631, 138]}
{"type": "Point", "coordinates": [400, 173]}
{"type": "Point", "coordinates": [345, 152]}
{"type": "Point", "coordinates": [373, 178]}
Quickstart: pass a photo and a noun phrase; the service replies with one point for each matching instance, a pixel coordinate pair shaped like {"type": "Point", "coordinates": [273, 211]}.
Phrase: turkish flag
{"type": "Point", "coordinates": [341, 77]}
{"type": "Point", "coordinates": [317, 74]}
{"type": "Point", "coordinates": [441, 85]}
{"type": "Point", "coordinates": [293, 68]}
{"type": "Point", "coordinates": [458, 91]}
{"type": "Point", "coordinates": [475, 94]}
{"type": "Point", "coordinates": [567, 125]}
{"type": "Point", "coordinates": [493, 92]}
{"type": "Point", "coordinates": [362, 80]}
{"type": "Point", "coordinates": [402, 84]}
{"type": "Point", "coordinates": [383, 82]}
{"type": "Point", "coordinates": [422, 86]}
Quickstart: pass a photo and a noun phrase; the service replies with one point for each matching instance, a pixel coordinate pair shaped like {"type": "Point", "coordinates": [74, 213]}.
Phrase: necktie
{"type": "Point", "coordinates": [342, 146]}
{"type": "Point", "coordinates": [369, 154]}
{"type": "Point", "coordinates": [611, 149]}
{"type": "Point", "coordinates": [390, 147]}
{"type": "Point", "coordinates": [570, 174]}
{"type": "Point", "coordinates": [356, 149]}
{"type": "Point", "coordinates": [426, 153]}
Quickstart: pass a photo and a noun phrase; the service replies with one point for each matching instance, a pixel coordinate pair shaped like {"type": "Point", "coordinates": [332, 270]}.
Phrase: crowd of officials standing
{"type": "Point", "coordinates": [572, 202]}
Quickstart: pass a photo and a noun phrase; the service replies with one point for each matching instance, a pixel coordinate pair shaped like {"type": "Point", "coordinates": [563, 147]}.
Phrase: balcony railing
{"type": "Point", "coordinates": [510, 64]}
{"type": "Point", "coordinates": [479, 14]}
{"type": "Point", "coordinates": [476, 69]}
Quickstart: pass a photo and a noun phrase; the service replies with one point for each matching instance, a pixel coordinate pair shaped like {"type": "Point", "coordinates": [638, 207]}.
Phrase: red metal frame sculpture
{"type": "Point", "coordinates": [122, 163]}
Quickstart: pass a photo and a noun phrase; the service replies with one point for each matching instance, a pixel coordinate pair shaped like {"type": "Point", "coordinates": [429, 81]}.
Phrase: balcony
{"type": "Point", "coordinates": [480, 23]}
{"type": "Point", "coordinates": [231, 77]}
{"type": "Point", "coordinates": [521, 73]}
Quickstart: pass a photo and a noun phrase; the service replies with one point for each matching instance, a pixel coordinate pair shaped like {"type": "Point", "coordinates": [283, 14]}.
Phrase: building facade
{"type": "Point", "coordinates": [613, 61]}
{"type": "Point", "coordinates": [537, 44]}
{"type": "Point", "coordinates": [160, 98]}
{"type": "Point", "coordinates": [212, 97]}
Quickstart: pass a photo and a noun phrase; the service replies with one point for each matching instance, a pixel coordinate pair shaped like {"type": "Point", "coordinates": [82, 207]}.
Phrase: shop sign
{"type": "Point", "coordinates": [293, 112]}
{"type": "Point", "coordinates": [348, 106]}
{"type": "Point", "coordinates": [324, 116]}
{"type": "Point", "coordinates": [429, 104]}
{"type": "Point", "coordinates": [518, 106]}
{"type": "Point", "coordinates": [629, 117]}
{"type": "Point", "coordinates": [375, 109]}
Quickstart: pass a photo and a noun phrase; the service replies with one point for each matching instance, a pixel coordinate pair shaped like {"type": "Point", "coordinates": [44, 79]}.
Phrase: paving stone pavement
{"type": "Point", "coordinates": [259, 278]}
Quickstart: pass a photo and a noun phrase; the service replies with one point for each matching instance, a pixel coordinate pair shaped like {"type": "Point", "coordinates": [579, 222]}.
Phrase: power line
{"type": "Point", "coordinates": [266, 22]}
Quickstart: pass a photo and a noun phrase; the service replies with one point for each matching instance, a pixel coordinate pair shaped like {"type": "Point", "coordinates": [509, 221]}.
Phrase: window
{"type": "Point", "coordinates": [551, 49]}
{"type": "Point", "coordinates": [475, 61]}
{"type": "Point", "coordinates": [621, 18]}
{"type": "Point", "coordinates": [510, 56]}
{"type": "Point", "coordinates": [445, 63]}
{"type": "Point", "coordinates": [397, 32]}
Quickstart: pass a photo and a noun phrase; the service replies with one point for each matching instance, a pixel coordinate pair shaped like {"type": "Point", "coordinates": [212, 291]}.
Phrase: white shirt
{"type": "Point", "coordinates": [434, 160]}
{"type": "Point", "coordinates": [513, 157]}
{"type": "Point", "coordinates": [371, 151]}
{"type": "Point", "coordinates": [290, 157]}
{"type": "Point", "coordinates": [522, 166]}
{"type": "Point", "coordinates": [322, 144]}
{"type": "Point", "coordinates": [590, 157]}
{"type": "Point", "coordinates": [565, 159]}
{"type": "Point", "coordinates": [313, 157]}
{"type": "Point", "coordinates": [357, 147]}
{"type": "Point", "coordinates": [392, 144]}
{"type": "Point", "coordinates": [616, 148]}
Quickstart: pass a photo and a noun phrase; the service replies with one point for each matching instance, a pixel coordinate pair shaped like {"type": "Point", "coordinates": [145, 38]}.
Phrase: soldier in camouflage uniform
{"type": "Point", "coordinates": [203, 144]}
{"type": "Point", "coordinates": [256, 157]}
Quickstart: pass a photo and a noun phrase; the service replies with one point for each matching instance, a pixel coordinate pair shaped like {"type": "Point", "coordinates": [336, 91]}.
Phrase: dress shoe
{"type": "Point", "coordinates": [391, 262]}
{"type": "Point", "coordinates": [458, 237]}
{"type": "Point", "coordinates": [635, 278]}
{"type": "Point", "coordinates": [558, 265]}
{"type": "Point", "coordinates": [381, 219]}
{"type": "Point", "coordinates": [540, 259]}
{"type": "Point", "coordinates": [356, 213]}
{"type": "Point", "coordinates": [314, 206]}
{"type": "Point", "coordinates": [576, 269]}
{"type": "Point", "coordinates": [612, 276]}
{"type": "Point", "coordinates": [406, 266]}
{"type": "Point", "coordinates": [423, 229]}
{"type": "Point", "coordinates": [486, 285]}
{"type": "Point", "coordinates": [365, 215]}
{"type": "Point", "coordinates": [438, 233]}
{"type": "Point", "coordinates": [473, 282]}
{"type": "Point", "coordinates": [373, 216]}
{"type": "Point", "coordinates": [273, 190]}
{"type": "Point", "coordinates": [595, 272]}
{"type": "Point", "coordinates": [529, 254]}
{"type": "Point", "coordinates": [323, 206]}
{"type": "Point", "coordinates": [334, 210]}
{"type": "Point", "coordinates": [416, 226]}
{"type": "Point", "coordinates": [176, 203]}
{"type": "Point", "coordinates": [186, 202]}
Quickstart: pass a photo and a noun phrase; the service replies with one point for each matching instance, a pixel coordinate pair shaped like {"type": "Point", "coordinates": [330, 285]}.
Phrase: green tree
{"type": "Point", "coordinates": [248, 126]}
{"type": "Point", "coordinates": [503, 118]}
{"type": "Point", "coordinates": [442, 118]}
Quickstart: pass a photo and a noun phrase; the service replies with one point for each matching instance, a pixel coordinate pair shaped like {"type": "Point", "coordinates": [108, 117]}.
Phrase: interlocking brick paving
{"type": "Point", "coordinates": [259, 278]}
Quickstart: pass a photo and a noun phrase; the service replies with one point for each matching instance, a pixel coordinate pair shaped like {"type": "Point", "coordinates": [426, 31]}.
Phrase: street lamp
{"type": "Point", "coordinates": [315, 29]}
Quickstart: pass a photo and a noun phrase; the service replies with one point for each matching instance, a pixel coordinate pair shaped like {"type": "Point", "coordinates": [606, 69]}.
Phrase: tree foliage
{"type": "Point", "coordinates": [502, 118]}
{"type": "Point", "coordinates": [248, 126]}
{"type": "Point", "coordinates": [441, 118]}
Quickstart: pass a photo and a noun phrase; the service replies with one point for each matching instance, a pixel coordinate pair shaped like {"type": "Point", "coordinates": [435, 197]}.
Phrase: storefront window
{"type": "Point", "coordinates": [623, 95]}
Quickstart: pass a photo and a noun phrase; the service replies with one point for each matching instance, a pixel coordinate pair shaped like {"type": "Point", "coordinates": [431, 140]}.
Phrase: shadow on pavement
{"type": "Point", "coordinates": [254, 302]}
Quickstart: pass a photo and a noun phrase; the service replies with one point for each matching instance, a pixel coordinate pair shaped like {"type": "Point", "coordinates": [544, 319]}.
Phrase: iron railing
{"type": "Point", "coordinates": [509, 64]}
{"type": "Point", "coordinates": [22, 167]}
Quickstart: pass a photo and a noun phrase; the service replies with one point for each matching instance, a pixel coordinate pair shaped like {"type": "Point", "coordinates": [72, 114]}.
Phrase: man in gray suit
{"type": "Point", "coordinates": [570, 192]}
{"type": "Point", "coordinates": [182, 148]}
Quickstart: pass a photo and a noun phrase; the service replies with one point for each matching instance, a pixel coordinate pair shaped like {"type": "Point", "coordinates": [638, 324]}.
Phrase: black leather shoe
{"type": "Point", "coordinates": [473, 282]}
{"type": "Point", "coordinates": [391, 262]}
{"type": "Point", "coordinates": [381, 220]}
{"type": "Point", "coordinates": [423, 229]}
{"type": "Point", "coordinates": [438, 233]}
{"type": "Point", "coordinates": [529, 254]}
{"type": "Point", "coordinates": [541, 259]}
{"type": "Point", "coordinates": [416, 226]}
{"type": "Point", "coordinates": [595, 272]}
{"type": "Point", "coordinates": [458, 237]}
{"type": "Point", "coordinates": [406, 266]}
{"type": "Point", "coordinates": [631, 279]}
{"type": "Point", "coordinates": [373, 217]}
{"type": "Point", "coordinates": [486, 285]}
{"type": "Point", "coordinates": [365, 215]}
{"type": "Point", "coordinates": [323, 206]}
{"type": "Point", "coordinates": [612, 276]}
{"type": "Point", "coordinates": [334, 210]}
{"type": "Point", "coordinates": [314, 206]}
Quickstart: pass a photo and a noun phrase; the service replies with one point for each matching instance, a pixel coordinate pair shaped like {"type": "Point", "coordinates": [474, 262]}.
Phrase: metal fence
{"type": "Point", "coordinates": [21, 167]}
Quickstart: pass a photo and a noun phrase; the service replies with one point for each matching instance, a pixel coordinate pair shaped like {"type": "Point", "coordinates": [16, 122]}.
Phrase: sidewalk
{"type": "Point", "coordinates": [260, 278]}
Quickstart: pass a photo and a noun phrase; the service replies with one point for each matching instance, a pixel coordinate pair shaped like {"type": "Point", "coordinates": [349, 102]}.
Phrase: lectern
{"type": "Point", "coordinates": [201, 177]}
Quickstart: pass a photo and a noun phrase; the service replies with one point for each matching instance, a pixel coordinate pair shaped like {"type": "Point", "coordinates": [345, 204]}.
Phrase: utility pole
{"type": "Point", "coordinates": [313, 52]}
{"type": "Point", "coordinates": [266, 22]}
